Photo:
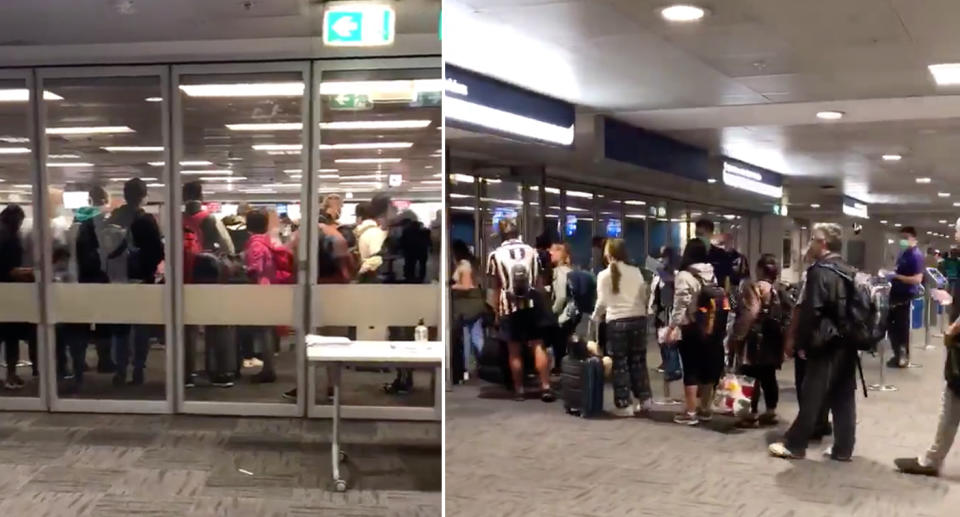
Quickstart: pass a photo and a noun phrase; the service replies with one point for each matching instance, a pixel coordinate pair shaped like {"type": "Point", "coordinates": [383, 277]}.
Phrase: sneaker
{"type": "Point", "coordinates": [896, 363]}
{"type": "Point", "coordinates": [779, 450]}
{"type": "Point", "coordinates": [548, 396]}
{"type": "Point", "coordinates": [768, 419]}
{"type": "Point", "coordinates": [290, 395]}
{"type": "Point", "coordinates": [686, 418]}
{"type": "Point", "coordinates": [913, 466]}
{"type": "Point", "coordinates": [222, 381]}
{"type": "Point", "coordinates": [643, 408]}
{"type": "Point", "coordinates": [13, 382]}
{"type": "Point", "coordinates": [191, 382]}
{"type": "Point", "coordinates": [704, 415]}
{"type": "Point", "coordinates": [660, 368]}
{"type": "Point", "coordinates": [623, 412]}
{"type": "Point", "coordinates": [828, 453]}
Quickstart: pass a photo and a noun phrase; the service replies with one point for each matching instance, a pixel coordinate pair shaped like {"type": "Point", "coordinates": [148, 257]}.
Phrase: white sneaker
{"type": "Point", "coordinates": [779, 450]}
{"type": "Point", "coordinates": [625, 412]}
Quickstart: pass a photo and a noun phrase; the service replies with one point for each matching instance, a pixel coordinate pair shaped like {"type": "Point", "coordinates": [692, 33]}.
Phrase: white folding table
{"type": "Point", "coordinates": [339, 352]}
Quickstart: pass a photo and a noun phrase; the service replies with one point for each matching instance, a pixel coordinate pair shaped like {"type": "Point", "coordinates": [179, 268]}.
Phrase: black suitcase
{"type": "Point", "coordinates": [581, 386]}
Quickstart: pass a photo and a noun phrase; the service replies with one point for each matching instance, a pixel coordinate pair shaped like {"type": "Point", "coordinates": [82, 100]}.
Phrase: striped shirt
{"type": "Point", "coordinates": [499, 264]}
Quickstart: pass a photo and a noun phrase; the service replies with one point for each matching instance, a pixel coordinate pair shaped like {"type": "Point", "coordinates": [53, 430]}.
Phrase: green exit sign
{"type": "Point", "coordinates": [350, 102]}
{"type": "Point", "coordinates": [358, 25]}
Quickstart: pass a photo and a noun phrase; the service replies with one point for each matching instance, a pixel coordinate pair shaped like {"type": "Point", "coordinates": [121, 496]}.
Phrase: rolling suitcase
{"type": "Point", "coordinates": [581, 386]}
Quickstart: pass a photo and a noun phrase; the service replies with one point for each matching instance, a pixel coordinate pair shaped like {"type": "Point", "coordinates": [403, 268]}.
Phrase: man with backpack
{"type": "Point", "coordinates": [208, 258]}
{"type": "Point", "coordinates": [826, 332]}
{"type": "Point", "coordinates": [514, 270]}
{"type": "Point", "coordinates": [930, 463]}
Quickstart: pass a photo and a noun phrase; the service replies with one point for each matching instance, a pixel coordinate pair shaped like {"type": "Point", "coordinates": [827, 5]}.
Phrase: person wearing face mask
{"type": "Point", "coordinates": [830, 379]}
{"type": "Point", "coordinates": [905, 287]}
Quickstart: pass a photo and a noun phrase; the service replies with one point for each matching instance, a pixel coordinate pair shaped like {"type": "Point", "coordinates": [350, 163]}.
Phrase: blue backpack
{"type": "Point", "coordinates": [582, 291]}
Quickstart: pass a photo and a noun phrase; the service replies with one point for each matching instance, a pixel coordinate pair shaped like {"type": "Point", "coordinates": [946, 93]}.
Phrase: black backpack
{"type": "Point", "coordinates": [581, 291]}
{"type": "Point", "coordinates": [713, 311]}
{"type": "Point", "coordinates": [521, 287]}
{"type": "Point", "coordinates": [863, 322]}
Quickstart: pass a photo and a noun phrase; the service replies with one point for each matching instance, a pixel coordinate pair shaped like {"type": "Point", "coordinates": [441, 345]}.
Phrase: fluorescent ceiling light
{"type": "Point", "coordinates": [473, 113]}
{"type": "Point", "coordinates": [830, 115]}
{"type": "Point", "coordinates": [258, 191]}
{"type": "Point", "coordinates": [375, 124]}
{"type": "Point", "coordinates": [464, 178]}
{"type": "Point", "coordinates": [945, 74]}
{"type": "Point", "coordinates": [892, 157]}
{"type": "Point", "coordinates": [682, 13]}
{"type": "Point", "coordinates": [943, 194]}
{"type": "Point", "coordinates": [635, 203]}
{"type": "Point", "coordinates": [431, 182]}
{"type": "Point", "coordinates": [195, 163]}
{"type": "Point", "coordinates": [458, 196]}
{"type": "Point", "coordinates": [292, 171]}
{"type": "Point", "coordinates": [362, 177]}
{"type": "Point", "coordinates": [956, 203]}
{"type": "Point", "coordinates": [277, 126]}
{"type": "Point", "coordinates": [814, 205]}
{"type": "Point", "coordinates": [287, 89]}
{"type": "Point", "coordinates": [154, 99]}
{"type": "Point", "coordinates": [14, 150]}
{"type": "Point", "coordinates": [133, 148]}
{"type": "Point", "coordinates": [296, 176]}
{"type": "Point", "coordinates": [14, 139]}
{"type": "Point", "coordinates": [23, 95]}
{"type": "Point", "coordinates": [884, 221]}
{"type": "Point", "coordinates": [223, 178]}
{"type": "Point", "coordinates": [368, 160]}
{"type": "Point", "coordinates": [284, 153]}
{"type": "Point", "coordinates": [375, 184]}
{"type": "Point", "coordinates": [943, 221]}
{"type": "Point", "coordinates": [923, 180]}
{"type": "Point", "coordinates": [213, 172]}
{"type": "Point", "coordinates": [281, 185]}
{"type": "Point", "coordinates": [63, 156]}
{"type": "Point", "coordinates": [159, 185]}
{"type": "Point", "coordinates": [383, 90]}
{"type": "Point", "coordinates": [277, 147]}
{"type": "Point", "coordinates": [328, 170]}
{"type": "Point", "coordinates": [576, 193]}
{"type": "Point", "coordinates": [745, 183]}
{"type": "Point", "coordinates": [70, 164]}
{"type": "Point", "coordinates": [88, 130]}
{"type": "Point", "coordinates": [371, 145]}
{"type": "Point", "coordinates": [327, 176]}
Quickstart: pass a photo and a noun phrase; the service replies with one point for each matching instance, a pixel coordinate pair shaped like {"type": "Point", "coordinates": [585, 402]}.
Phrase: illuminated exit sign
{"type": "Point", "coordinates": [358, 25]}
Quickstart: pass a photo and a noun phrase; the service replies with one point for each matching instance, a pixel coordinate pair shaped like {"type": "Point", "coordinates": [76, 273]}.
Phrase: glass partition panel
{"type": "Point", "coordinates": [462, 192]}
{"type": "Point", "coordinates": [19, 310]}
{"type": "Point", "coordinates": [240, 172]}
{"type": "Point", "coordinates": [552, 214]}
{"type": "Point", "coordinates": [379, 184]}
{"type": "Point", "coordinates": [578, 231]}
{"type": "Point", "coordinates": [610, 219]}
{"type": "Point", "coordinates": [105, 148]}
{"type": "Point", "coordinates": [635, 230]}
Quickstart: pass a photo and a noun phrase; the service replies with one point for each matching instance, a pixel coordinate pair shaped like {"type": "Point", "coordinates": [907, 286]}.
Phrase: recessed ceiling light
{"type": "Point", "coordinates": [88, 130]}
{"type": "Point", "coordinates": [898, 225]}
{"type": "Point", "coordinates": [830, 115]}
{"type": "Point", "coordinates": [712, 180]}
{"type": "Point", "coordinates": [70, 164]}
{"type": "Point", "coordinates": [923, 180]}
{"type": "Point", "coordinates": [943, 194]}
{"type": "Point", "coordinates": [14, 150]}
{"type": "Point", "coordinates": [943, 221]}
{"type": "Point", "coordinates": [956, 203]}
{"type": "Point", "coordinates": [368, 160]}
{"type": "Point", "coordinates": [814, 205]}
{"type": "Point", "coordinates": [278, 126]}
{"type": "Point", "coordinates": [375, 124]}
{"type": "Point", "coordinates": [277, 147]}
{"type": "Point", "coordinates": [682, 13]}
{"type": "Point", "coordinates": [371, 145]}
{"type": "Point", "coordinates": [884, 221]}
{"type": "Point", "coordinates": [154, 99]}
{"type": "Point", "coordinates": [214, 172]}
{"type": "Point", "coordinates": [945, 74]}
{"type": "Point", "coordinates": [288, 89]}
{"type": "Point", "coordinates": [892, 157]}
{"type": "Point", "coordinates": [133, 148]}
{"type": "Point", "coordinates": [23, 95]}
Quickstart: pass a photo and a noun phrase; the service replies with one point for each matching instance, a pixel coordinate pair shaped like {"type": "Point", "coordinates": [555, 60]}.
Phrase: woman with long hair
{"type": "Point", "coordinates": [468, 303]}
{"type": "Point", "coordinates": [702, 358]}
{"type": "Point", "coordinates": [758, 338]}
{"type": "Point", "coordinates": [622, 302]}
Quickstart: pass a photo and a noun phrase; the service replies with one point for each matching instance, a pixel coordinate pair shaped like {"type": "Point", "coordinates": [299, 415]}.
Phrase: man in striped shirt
{"type": "Point", "coordinates": [514, 269]}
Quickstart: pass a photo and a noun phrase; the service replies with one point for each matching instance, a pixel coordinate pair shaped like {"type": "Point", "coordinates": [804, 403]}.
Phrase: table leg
{"type": "Point", "coordinates": [335, 453]}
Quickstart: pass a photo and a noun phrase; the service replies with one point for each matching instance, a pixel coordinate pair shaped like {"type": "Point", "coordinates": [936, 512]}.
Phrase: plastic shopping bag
{"type": "Point", "coordinates": [733, 395]}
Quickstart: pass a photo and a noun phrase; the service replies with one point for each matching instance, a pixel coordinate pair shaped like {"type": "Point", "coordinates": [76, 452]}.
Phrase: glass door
{"type": "Point", "coordinates": [378, 181]}
{"type": "Point", "coordinates": [238, 189]}
{"type": "Point", "coordinates": [105, 230]}
{"type": "Point", "coordinates": [22, 386]}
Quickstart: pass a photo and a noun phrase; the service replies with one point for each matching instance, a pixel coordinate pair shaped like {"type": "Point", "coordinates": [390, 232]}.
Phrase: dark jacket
{"type": "Point", "coordinates": [821, 306]}
{"type": "Point", "coordinates": [11, 254]}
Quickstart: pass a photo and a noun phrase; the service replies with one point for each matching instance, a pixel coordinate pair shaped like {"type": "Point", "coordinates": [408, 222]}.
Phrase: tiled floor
{"type": "Point", "coordinates": [59, 465]}
{"type": "Point", "coordinates": [509, 458]}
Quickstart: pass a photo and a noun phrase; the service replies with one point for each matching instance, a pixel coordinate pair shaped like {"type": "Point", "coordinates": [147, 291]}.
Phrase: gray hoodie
{"type": "Point", "coordinates": [686, 292]}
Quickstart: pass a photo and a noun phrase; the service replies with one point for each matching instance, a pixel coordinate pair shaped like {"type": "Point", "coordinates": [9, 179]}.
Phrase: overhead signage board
{"type": "Point", "coordinates": [753, 179]}
{"type": "Point", "coordinates": [476, 102]}
{"type": "Point", "coordinates": [358, 24]}
{"type": "Point", "coordinates": [855, 208]}
{"type": "Point", "coordinates": [626, 143]}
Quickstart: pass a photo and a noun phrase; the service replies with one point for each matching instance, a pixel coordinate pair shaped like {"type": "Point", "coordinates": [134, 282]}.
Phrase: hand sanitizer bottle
{"type": "Point", "coordinates": [421, 333]}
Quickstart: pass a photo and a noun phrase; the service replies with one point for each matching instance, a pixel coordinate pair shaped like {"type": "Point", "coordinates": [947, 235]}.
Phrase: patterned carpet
{"type": "Point", "coordinates": [508, 458]}
{"type": "Point", "coordinates": [60, 465]}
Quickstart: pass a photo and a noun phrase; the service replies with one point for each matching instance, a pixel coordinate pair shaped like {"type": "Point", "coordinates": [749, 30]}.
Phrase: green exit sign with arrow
{"type": "Point", "coordinates": [350, 102]}
{"type": "Point", "coordinates": [358, 25]}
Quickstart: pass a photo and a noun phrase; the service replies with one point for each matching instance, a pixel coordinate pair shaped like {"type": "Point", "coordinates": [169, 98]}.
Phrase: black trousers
{"type": "Point", "coordinates": [799, 372]}
{"type": "Point", "coordinates": [899, 329]}
{"type": "Point", "coordinates": [830, 381]}
{"type": "Point", "coordinates": [766, 376]}
{"type": "Point", "coordinates": [627, 343]}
